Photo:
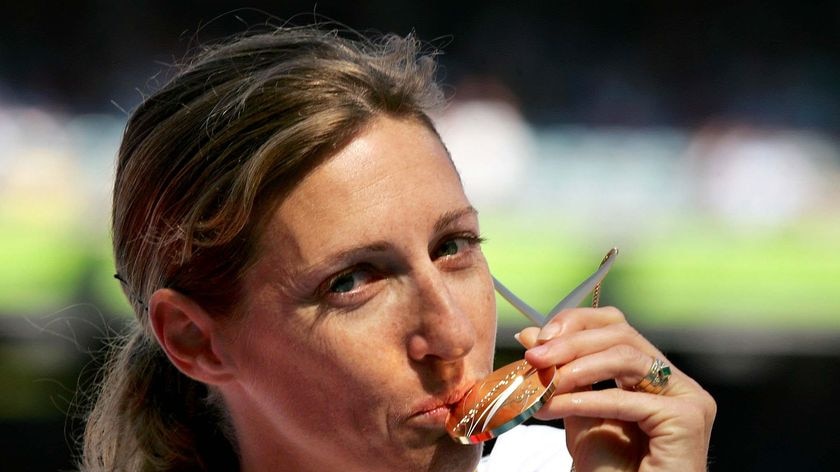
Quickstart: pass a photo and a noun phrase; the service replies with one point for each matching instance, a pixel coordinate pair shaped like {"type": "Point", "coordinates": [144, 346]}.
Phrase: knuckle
{"type": "Point", "coordinates": [628, 353]}
{"type": "Point", "coordinates": [637, 336]}
{"type": "Point", "coordinates": [629, 335]}
{"type": "Point", "coordinates": [614, 314]}
{"type": "Point", "coordinates": [709, 406]}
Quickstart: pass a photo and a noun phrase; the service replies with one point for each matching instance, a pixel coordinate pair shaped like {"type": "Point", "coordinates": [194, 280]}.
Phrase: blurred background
{"type": "Point", "coordinates": [704, 141]}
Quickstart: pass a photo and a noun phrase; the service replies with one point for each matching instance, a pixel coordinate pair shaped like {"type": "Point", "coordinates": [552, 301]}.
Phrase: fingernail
{"type": "Point", "coordinates": [516, 337]}
{"type": "Point", "coordinates": [538, 350]}
{"type": "Point", "coordinates": [547, 332]}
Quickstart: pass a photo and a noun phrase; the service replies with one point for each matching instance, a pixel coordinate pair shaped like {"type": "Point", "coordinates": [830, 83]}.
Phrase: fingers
{"type": "Point", "coordinates": [527, 337]}
{"type": "Point", "coordinates": [565, 348]}
{"type": "Point", "coordinates": [678, 429]}
{"type": "Point", "coordinates": [648, 411]}
{"type": "Point", "coordinates": [578, 319]}
{"type": "Point", "coordinates": [623, 363]}
{"type": "Point", "coordinates": [569, 321]}
{"type": "Point", "coordinates": [608, 404]}
{"type": "Point", "coordinates": [582, 332]}
{"type": "Point", "coordinates": [592, 345]}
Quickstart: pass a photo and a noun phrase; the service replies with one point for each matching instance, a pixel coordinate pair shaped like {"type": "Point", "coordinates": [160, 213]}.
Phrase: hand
{"type": "Point", "coordinates": [619, 428]}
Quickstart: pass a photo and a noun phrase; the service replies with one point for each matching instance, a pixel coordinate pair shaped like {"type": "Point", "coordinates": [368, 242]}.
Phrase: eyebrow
{"type": "Point", "coordinates": [353, 253]}
{"type": "Point", "coordinates": [443, 222]}
{"type": "Point", "coordinates": [447, 219]}
{"type": "Point", "coordinates": [347, 255]}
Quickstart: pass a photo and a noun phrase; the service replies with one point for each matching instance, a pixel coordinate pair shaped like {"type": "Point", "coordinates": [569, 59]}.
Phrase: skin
{"type": "Point", "coordinates": [370, 303]}
{"type": "Point", "coordinates": [371, 308]}
{"type": "Point", "coordinates": [619, 429]}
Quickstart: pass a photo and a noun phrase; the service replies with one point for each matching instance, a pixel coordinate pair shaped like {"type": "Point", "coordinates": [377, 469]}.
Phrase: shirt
{"type": "Point", "coordinates": [535, 448]}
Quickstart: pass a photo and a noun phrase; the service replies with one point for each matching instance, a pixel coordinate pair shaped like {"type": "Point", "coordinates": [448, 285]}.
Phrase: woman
{"type": "Point", "coordinates": [309, 286]}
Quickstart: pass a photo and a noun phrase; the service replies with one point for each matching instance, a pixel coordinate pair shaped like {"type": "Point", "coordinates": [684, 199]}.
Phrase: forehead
{"type": "Point", "coordinates": [395, 176]}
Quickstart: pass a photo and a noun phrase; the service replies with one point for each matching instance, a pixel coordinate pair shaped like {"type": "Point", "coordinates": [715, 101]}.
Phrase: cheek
{"type": "Point", "coordinates": [294, 378]}
{"type": "Point", "coordinates": [324, 358]}
{"type": "Point", "coordinates": [271, 351]}
{"type": "Point", "coordinates": [477, 298]}
{"type": "Point", "coordinates": [488, 322]}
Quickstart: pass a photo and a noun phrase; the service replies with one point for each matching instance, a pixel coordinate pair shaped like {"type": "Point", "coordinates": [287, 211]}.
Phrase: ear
{"type": "Point", "coordinates": [189, 336]}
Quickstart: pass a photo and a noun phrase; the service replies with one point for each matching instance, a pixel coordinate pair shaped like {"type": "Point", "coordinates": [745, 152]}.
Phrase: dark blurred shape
{"type": "Point", "coordinates": [48, 365]}
{"type": "Point", "coordinates": [769, 63]}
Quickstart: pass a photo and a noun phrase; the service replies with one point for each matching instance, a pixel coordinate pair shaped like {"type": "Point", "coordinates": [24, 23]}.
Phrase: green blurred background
{"type": "Point", "coordinates": [702, 142]}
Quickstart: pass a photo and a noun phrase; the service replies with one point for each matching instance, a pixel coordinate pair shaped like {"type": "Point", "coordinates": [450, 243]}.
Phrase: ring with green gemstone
{"type": "Point", "coordinates": [656, 379]}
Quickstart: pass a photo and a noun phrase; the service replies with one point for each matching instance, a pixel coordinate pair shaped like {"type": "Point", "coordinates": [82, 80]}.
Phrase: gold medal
{"type": "Point", "coordinates": [504, 399]}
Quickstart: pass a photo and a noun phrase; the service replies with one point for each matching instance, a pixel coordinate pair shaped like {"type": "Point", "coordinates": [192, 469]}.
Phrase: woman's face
{"type": "Point", "coordinates": [370, 309]}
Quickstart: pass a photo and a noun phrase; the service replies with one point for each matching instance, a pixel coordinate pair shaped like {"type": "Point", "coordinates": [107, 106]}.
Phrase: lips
{"type": "Point", "coordinates": [442, 404]}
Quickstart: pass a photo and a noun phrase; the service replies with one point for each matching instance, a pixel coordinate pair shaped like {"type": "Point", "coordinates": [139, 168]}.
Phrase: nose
{"type": "Point", "coordinates": [445, 332]}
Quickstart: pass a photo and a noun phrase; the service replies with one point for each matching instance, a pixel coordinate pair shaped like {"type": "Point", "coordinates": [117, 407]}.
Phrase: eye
{"type": "Point", "coordinates": [349, 282]}
{"type": "Point", "coordinates": [455, 246]}
{"type": "Point", "coordinates": [451, 247]}
{"type": "Point", "coordinates": [344, 283]}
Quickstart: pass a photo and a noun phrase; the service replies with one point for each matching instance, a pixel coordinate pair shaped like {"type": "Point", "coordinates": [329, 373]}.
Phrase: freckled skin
{"type": "Point", "coordinates": [330, 371]}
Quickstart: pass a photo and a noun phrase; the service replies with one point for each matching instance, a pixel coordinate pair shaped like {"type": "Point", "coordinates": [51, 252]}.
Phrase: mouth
{"type": "Point", "coordinates": [433, 412]}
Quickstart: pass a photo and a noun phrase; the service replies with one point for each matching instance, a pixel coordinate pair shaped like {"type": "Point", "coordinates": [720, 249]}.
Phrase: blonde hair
{"type": "Point", "coordinates": [202, 163]}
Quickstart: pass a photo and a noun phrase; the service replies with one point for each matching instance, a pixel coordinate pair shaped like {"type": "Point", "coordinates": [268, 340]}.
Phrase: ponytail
{"type": "Point", "coordinates": [151, 417]}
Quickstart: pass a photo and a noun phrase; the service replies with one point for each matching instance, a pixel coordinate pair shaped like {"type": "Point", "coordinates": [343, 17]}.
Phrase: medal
{"type": "Point", "coordinates": [513, 393]}
{"type": "Point", "coordinates": [504, 399]}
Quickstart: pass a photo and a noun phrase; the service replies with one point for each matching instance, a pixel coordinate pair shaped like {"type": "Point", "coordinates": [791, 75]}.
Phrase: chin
{"type": "Point", "coordinates": [445, 456]}
{"type": "Point", "coordinates": [431, 454]}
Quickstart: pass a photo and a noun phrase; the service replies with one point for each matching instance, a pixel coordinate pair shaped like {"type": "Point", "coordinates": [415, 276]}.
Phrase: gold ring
{"type": "Point", "coordinates": [656, 379]}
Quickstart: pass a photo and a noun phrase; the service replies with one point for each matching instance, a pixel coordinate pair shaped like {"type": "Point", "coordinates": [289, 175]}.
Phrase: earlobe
{"type": "Point", "coordinates": [189, 336]}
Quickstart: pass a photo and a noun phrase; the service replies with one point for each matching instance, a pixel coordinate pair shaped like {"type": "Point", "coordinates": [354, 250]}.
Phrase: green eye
{"type": "Point", "coordinates": [456, 247]}
{"type": "Point", "coordinates": [448, 248]}
{"type": "Point", "coordinates": [343, 283]}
